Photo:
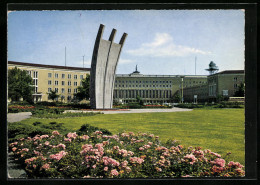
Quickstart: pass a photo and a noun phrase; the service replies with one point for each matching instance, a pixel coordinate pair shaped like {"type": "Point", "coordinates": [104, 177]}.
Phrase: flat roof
{"type": "Point", "coordinates": [164, 76]}
{"type": "Point", "coordinates": [230, 72]}
{"type": "Point", "coordinates": [48, 66]}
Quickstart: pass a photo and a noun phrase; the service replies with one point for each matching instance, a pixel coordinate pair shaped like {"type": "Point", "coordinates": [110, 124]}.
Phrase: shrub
{"type": "Point", "coordinates": [87, 129]}
{"type": "Point", "coordinates": [19, 130]}
{"type": "Point", "coordinates": [126, 155]}
{"type": "Point", "coordinates": [134, 106]}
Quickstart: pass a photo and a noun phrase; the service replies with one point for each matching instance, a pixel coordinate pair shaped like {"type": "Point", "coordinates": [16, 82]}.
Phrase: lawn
{"type": "Point", "coordinates": [220, 130]}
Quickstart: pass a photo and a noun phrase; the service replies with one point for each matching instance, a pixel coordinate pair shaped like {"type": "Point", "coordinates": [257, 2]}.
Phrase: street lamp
{"type": "Point", "coordinates": [182, 77]}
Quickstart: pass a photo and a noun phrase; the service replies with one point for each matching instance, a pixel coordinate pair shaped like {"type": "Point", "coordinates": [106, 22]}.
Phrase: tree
{"type": "Point", "coordinates": [19, 85]}
{"type": "Point", "coordinates": [139, 100]}
{"type": "Point", "coordinates": [241, 91]}
{"type": "Point", "coordinates": [83, 91]}
{"type": "Point", "coordinates": [53, 95]}
{"type": "Point", "coordinates": [176, 98]}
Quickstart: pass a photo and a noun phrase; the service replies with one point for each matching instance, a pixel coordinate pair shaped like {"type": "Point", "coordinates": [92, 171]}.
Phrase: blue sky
{"type": "Point", "coordinates": [159, 41]}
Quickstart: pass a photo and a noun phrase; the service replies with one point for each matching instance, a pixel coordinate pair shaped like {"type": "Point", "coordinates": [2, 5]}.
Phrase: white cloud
{"type": "Point", "coordinates": [125, 61]}
{"type": "Point", "coordinates": [163, 45]}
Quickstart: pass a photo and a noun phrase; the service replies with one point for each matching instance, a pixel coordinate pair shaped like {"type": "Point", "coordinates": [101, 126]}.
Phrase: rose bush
{"type": "Point", "coordinates": [126, 155]}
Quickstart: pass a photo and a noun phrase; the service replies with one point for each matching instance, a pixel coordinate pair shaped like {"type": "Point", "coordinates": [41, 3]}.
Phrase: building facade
{"type": "Point", "coordinates": [223, 84]}
{"type": "Point", "coordinates": [152, 88]}
{"type": "Point", "coordinates": [64, 80]}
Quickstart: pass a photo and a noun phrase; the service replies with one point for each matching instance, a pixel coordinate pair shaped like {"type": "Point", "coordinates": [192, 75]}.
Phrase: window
{"type": "Point", "coordinates": [122, 85]}
{"type": "Point", "coordinates": [81, 77]}
{"type": "Point", "coordinates": [62, 82]}
{"type": "Point", "coordinates": [75, 83]}
{"type": "Point", "coordinates": [36, 89]}
{"type": "Point", "coordinates": [69, 90]}
{"type": "Point", "coordinates": [235, 85]}
{"type": "Point", "coordinates": [80, 83]}
{"type": "Point", "coordinates": [49, 75]}
{"type": "Point", "coordinates": [36, 82]}
{"type": "Point", "coordinates": [116, 85]}
{"type": "Point", "coordinates": [63, 76]}
{"type": "Point", "coordinates": [235, 79]}
{"type": "Point", "coordinates": [62, 90]}
{"type": "Point", "coordinates": [56, 90]}
{"type": "Point", "coordinates": [69, 98]}
{"type": "Point", "coordinates": [136, 81]}
{"type": "Point", "coordinates": [75, 90]}
{"type": "Point", "coordinates": [225, 92]}
{"type": "Point", "coordinates": [35, 74]}
{"type": "Point", "coordinates": [49, 89]}
{"type": "Point", "coordinates": [56, 75]}
{"type": "Point", "coordinates": [69, 76]}
{"type": "Point", "coordinates": [49, 82]}
{"type": "Point", "coordinates": [75, 76]}
{"type": "Point", "coordinates": [56, 82]}
{"type": "Point", "coordinates": [69, 83]}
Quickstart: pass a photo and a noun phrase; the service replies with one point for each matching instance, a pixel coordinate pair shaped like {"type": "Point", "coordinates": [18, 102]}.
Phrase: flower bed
{"type": "Point", "coordinates": [126, 155]}
{"type": "Point", "coordinates": [20, 108]}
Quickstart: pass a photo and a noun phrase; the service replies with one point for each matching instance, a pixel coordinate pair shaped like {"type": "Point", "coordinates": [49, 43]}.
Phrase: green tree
{"type": "Point", "coordinates": [19, 85]}
{"type": "Point", "coordinates": [241, 91]}
{"type": "Point", "coordinates": [176, 98]}
{"type": "Point", "coordinates": [83, 91]}
{"type": "Point", "coordinates": [139, 100]}
{"type": "Point", "coordinates": [53, 95]}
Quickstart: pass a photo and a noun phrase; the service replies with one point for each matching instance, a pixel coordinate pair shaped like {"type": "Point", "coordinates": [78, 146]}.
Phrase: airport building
{"type": "Point", "coordinates": [223, 84]}
{"type": "Point", "coordinates": [150, 88]}
{"type": "Point", "coordinates": [62, 79]}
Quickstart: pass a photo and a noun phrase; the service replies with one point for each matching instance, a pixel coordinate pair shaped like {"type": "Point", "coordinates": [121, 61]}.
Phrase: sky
{"type": "Point", "coordinates": [159, 42]}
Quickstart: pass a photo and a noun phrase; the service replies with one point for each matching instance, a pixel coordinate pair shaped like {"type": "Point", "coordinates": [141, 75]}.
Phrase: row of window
{"type": "Point", "coordinates": [56, 75]}
{"type": "Point", "coordinates": [63, 83]}
{"type": "Point", "coordinates": [143, 85]}
{"type": "Point", "coordinates": [119, 81]}
{"type": "Point", "coordinates": [62, 90]}
{"type": "Point", "coordinates": [142, 93]}
{"type": "Point", "coordinates": [33, 74]}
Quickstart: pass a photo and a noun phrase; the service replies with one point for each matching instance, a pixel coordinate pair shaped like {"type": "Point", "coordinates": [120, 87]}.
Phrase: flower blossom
{"type": "Point", "coordinates": [61, 146]}
{"type": "Point", "coordinates": [55, 132]}
{"type": "Point", "coordinates": [136, 160]}
{"type": "Point", "coordinates": [219, 162]}
{"type": "Point", "coordinates": [216, 154]}
{"type": "Point", "coordinates": [84, 137]}
{"type": "Point", "coordinates": [28, 161]}
{"type": "Point", "coordinates": [25, 149]}
{"type": "Point", "coordinates": [58, 156]}
{"type": "Point", "coordinates": [235, 164]}
{"type": "Point", "coordinates": [45, 166]}
{"type": "Point", "coordinates": [72, 135]}
{"type": "Point", "coordinates": [114, 172]}
{"type": "Point", "coordinates": [191, 158]}
{"type": "Point", "coordinates": [43, 136]}
{"type": "Point", "coordinates": [110, 161]}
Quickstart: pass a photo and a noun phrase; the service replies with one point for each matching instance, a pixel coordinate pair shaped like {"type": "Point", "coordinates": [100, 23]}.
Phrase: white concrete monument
{"type": "Point", "coordinates": [105, 57]}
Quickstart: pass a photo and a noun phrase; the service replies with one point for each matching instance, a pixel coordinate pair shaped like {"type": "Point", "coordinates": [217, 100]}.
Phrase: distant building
{"type": "Point", "coordinates": [223, 84]}
{"type": "Point", "coordinates": [152, 88]}
{"type": "Point", "coordinates": [64, 80]}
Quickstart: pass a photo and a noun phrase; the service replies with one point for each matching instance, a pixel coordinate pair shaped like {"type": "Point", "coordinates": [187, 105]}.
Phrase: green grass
{"type": "Point", "coordinates": [221, 130]}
